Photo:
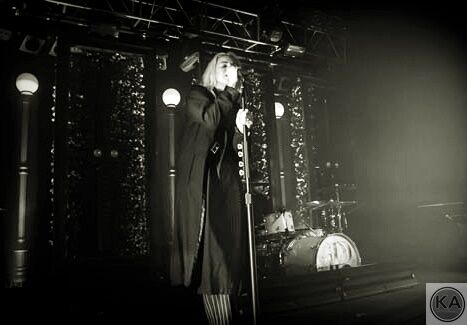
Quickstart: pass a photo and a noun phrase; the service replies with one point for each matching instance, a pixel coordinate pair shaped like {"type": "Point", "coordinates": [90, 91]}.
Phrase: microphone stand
{"type": "Point", "coordinates": [251, 233]}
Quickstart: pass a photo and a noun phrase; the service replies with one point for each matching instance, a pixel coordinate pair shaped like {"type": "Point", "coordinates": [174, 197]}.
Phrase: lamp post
{"type": "Point", "coordinates": [171, 98]}
{"type": "Point", "coordinates": [27, 84]}
{"type": "Point", "coordinates": [279, 111]}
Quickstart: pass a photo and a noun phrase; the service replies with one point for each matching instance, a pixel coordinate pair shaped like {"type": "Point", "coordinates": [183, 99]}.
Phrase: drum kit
{"type": "Point", "coordinates": [283, 250]}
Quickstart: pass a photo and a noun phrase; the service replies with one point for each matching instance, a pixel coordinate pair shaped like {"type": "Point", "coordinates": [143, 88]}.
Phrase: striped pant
{"type": "Point", "coordinates": [218, 309]}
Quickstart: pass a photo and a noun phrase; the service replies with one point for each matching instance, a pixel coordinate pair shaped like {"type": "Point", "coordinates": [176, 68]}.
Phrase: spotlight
{"type": "Point", "coordinates": [32, 44]}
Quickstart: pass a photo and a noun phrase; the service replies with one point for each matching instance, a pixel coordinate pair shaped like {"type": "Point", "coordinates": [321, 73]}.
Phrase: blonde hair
{"type": "Point", "coordinates": [208, 79]}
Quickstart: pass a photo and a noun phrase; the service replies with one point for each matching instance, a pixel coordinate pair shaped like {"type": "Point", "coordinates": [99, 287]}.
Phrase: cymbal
{"type": "Point", "coordinates": [317, 204]}
{"type": "Point", "coordinates": [332, 188]}
{"type": "Point", "coordinates": [347, 202]}
{"type": "Point", "coordinates": [433, 205]}
{"type": "Point", "coordinates": [321, 204]}
{"type": "Point", "coordinates": [342, 203]}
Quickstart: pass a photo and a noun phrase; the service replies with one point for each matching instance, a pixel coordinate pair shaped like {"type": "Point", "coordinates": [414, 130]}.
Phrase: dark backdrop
{"type": "Point", "coordinates": [400, 122]}
{"type": "Point", "coordinates": [398, 126]}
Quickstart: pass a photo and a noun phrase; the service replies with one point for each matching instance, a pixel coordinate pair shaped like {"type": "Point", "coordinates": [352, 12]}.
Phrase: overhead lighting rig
{"type": "Point", "coordinates": [216, 25]}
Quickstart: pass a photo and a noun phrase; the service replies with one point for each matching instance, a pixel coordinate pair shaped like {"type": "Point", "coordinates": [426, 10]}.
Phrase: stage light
{"type": "Point", "coordinates": [271, 17]}
{"type": "Point", "coordinates": [276, 35]}
{"type": "Point", "coordinates": [161, 61]}
{"type": "Point", "coordinates": [27, 83]}
{"type": "Point", "coordinates": [105, 30]}
{"type": "Point", "coordinates": [294, 50]}
{"type": "Point", "coordinates": [273, 35]}
{"type": "Point", "coordinates": [5, 34]}
{"type": "Point", "coordinates": [279, 109]}
{"type": "Point", "coordinates": [189, 62]}
{"type": "Point", "coordinates": [171, 97]}
{"type": "Point", "coordinates": [32, 44]}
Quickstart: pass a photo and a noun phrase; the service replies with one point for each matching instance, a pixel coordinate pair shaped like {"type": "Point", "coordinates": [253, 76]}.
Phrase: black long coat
{"type": "Point", "coordinates": [216, 239]}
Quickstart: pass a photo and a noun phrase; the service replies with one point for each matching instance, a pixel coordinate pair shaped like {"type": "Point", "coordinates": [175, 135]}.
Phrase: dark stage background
{"type": "Point", "coordinates": [404, 96]}
{"type": "Point", "coordinates": [396, 123]}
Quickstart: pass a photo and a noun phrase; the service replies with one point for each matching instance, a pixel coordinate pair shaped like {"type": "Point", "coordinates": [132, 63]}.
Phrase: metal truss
{"type": "Point", "coordinates": [215, 24]}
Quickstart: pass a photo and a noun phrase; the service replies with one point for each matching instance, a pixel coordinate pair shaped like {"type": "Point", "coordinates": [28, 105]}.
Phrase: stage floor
{"type": "Point", "coordinates": [379, 294]}
{"type": "Point", "coordinates": [403, 306]}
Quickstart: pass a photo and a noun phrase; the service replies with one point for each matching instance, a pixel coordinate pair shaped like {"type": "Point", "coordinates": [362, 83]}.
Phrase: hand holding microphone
{"type": "Point", "coordinates": [243, 118]}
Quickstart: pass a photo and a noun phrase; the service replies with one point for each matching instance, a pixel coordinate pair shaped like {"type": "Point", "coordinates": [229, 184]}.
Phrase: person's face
{"type": "Point", "coordinates": [226, 72]}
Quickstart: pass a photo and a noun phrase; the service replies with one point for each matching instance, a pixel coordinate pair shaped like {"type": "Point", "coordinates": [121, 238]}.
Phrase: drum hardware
{"type": "Point", "coordinates": [321, 246]}
{"type": "Point", "coordinates": [313, 231]}
{"type": "Point", "coordinates": [331, 216]}
{"type": "Point", "coordinates": [457, 218]}
{"type": "Point", "coordinates": [269, 254]}
{"type": "Point", "coordinates": [279, 222]}
{"type": "Point", "coordinates": [305, 253]}
{"type": "Point", "coordinates": [332, 189]}
{"type": "Point", "coordinates": [316, 205]}
{"type": "Point", "coordinates": [433, 205]}
{"type": "Point", "coordinates": [449, 211]}
{"type": "Point", "coordinates": [332, 251]}
{"type": "Point", "coordinates": [341, 204]}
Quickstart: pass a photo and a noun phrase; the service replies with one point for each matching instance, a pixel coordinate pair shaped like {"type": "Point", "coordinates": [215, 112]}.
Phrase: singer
{"type": "Point", "coordinates": [210, 244]}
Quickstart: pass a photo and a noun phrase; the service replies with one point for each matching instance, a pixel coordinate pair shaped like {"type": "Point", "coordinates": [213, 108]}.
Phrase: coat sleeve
{"type": "Point", "coordinates": [228, 101]}
{"type": "Point", "coordinates": [201, 108]}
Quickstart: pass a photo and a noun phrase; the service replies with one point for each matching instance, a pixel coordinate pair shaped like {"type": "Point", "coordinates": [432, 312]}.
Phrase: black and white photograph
{"type": "Point", "coordinates": [231, 162]}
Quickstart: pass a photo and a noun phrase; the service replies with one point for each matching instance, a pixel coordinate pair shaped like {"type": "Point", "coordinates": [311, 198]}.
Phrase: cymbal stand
{"type": "Point", "coordinates": [339, 209]}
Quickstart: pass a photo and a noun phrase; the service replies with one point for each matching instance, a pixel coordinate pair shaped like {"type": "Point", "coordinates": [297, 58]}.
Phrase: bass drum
{"type": "Point", "coordinates": [306, 253]}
